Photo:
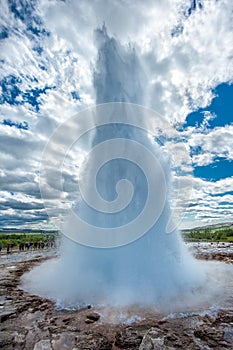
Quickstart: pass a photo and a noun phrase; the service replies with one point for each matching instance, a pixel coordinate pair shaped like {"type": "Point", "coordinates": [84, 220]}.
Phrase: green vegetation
{"type": "Point", "coordinates": [16, 237]}
{"type": "Point", "coordinates": [216, 233]}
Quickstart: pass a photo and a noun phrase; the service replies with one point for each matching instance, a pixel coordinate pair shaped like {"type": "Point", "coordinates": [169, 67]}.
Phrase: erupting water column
{"type": "Point", "coordinates": [154, 269]}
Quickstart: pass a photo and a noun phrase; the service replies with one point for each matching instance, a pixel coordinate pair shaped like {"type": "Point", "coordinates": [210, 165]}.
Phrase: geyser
{"type": "Point", "coordinates": [119, 269]}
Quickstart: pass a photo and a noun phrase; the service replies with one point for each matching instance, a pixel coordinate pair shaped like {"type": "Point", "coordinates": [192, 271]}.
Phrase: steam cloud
{"type": "Point", "coordinates": [154, 269]}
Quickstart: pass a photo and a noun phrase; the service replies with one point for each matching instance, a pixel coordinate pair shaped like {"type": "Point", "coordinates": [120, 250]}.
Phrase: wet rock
{"type": "Point", "coordinates": [128, 339]}
{"type": "Point", "coordinates": [72, 329]}
{"type": "Point", "coordinates": [228, 335]}
{"type": "Point", "coordinates": [66, 320]}
{"type": "Point", "coordinates": [64, 341]}
{"type": "Point", "coordinates": [154, 339]}
{"type": "Point", "coordinates": [4, 315]}
{"type": "Point", "coordinates": [210, 335]}
{"type": "Point", "coordinates": [34, 336]}
{"type": "Point", "coordinates": [53, 320]}
{"type": "Point", "coordinates": [43, 345]}
{"type": "Point", "coordinates": [53, 329]}
{"type": "Point", "coordinates": [93, 341]}
{"type": "Point", "coordinates": [225, 317]}
{"type": "Point", "coordinates": [88, 321]}
{"type": "Point", "coordinates": [93, 316]}
{"type": "Point", "coordinates": [44, 306]}
{"type": "Point", "coordinates": [20, 338]}
{"type": "Point", "coordinates": [6, 339]}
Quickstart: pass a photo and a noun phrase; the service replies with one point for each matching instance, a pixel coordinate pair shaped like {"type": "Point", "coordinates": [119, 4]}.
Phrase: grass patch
{"type": "Point", "coordinates": [16, 238]}
{"type": "Point", "coordinates": [220, 234]}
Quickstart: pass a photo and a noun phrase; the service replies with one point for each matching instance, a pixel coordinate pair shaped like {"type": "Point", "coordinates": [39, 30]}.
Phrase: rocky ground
{"type": "Point", "coordinates": [30, 322]}
{"type": "Point", "coordinates": [213, 251]}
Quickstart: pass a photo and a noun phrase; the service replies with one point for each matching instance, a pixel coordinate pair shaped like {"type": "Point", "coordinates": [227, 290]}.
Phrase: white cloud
{"type": "Point", "coordinates": [210, 202]}
{"type": "Point", "coordinates": [217, 142]}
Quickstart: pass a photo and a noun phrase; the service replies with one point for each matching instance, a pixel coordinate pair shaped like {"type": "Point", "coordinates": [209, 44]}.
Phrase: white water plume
{"type": "Point", "coordinates": [109, 256]}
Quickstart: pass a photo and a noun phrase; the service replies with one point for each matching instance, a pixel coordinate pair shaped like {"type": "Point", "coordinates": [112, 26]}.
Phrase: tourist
{"type": "Point", "coordinates": [0, 247]}
{"type": "Point", "coordinates": [21, 246]}
{"type": "Point", "coordinates": [8, 248]}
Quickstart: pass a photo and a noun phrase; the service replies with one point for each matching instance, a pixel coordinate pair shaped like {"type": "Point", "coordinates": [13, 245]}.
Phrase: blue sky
{"type": "Point", "coordinates": [47, 59]}
{"type": "Point", "coordinates": [221, 108]}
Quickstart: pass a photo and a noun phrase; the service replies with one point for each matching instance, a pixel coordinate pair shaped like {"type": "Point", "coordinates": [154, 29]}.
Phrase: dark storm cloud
{"type": "Point", "coordinates": [18, 147]}
{"type": "Point", "coordinates": [19, 220]}
{"type": "Point", "coordinates": [14, 204]}
{"type": "Point", "coordinates": [12, 182]}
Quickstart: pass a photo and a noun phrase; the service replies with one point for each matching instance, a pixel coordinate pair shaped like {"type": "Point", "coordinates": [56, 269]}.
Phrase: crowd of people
{"type": "Point", "coordinates": [26, 246]}
{"type": "Point", "coordinates": [36, 245]}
